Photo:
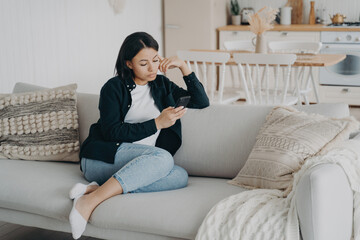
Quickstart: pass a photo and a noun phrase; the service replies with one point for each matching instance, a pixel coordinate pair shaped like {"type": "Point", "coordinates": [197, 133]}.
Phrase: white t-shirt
{"type": "Point", "coordinates": [142, 109]}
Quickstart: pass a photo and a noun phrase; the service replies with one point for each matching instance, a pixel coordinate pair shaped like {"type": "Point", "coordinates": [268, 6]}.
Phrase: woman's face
{"type": "Point", "coordinates": [145, 65]}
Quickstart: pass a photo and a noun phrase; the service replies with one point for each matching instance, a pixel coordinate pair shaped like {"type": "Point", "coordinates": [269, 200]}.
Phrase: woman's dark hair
{"type": "Point", "coordinates": [130, 47]}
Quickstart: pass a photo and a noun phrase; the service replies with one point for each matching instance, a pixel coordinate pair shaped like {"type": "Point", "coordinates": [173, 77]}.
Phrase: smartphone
{"type": "Point", "coordinates": [183, 101]}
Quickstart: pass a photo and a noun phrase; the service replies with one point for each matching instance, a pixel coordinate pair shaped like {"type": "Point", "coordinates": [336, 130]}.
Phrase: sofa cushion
{"type": "Point", "coordinates": [287, 138]}
{"type": "Point", "coordinates": [40, 125]}
{"type": "Point", "coordinates": [158, 213]}
{"type": "Point", "coordinates": [211, 148]}
{"type": "Point", "coordinates": [88, 113]}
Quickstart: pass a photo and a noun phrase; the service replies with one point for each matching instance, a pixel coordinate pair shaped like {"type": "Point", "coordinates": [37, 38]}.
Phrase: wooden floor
{"type": "Point", "coordinates": [16, 232]}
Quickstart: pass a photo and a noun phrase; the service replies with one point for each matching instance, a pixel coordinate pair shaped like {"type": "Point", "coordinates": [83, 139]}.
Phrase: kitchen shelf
{"type": "Point", "coordinates": [294, 27]}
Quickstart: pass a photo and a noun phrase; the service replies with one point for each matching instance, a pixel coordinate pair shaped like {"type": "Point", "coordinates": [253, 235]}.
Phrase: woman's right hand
{"type": "Point", "coordinates": [168, 117]}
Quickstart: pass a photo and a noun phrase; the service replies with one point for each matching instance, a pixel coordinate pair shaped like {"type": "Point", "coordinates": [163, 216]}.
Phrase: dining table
{"type": "Point", "coordinates": [303, 59]}
{"type": "Point", "coordinates": [309, 60]}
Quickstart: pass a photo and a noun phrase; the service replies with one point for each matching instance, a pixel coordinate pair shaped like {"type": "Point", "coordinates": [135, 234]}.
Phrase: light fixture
{"type": "Point", "coordinates": [117, 5]}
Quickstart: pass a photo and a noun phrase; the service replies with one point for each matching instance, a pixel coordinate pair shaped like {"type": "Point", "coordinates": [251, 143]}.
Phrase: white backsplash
{"type": "Point", "coordinates": [350, 8]}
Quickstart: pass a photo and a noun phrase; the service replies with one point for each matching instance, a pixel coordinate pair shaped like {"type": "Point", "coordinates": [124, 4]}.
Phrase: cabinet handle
{"type": "Point", "coordinates": [345, 90]}
{"type": "Point", "coordinates": [172, 26]}
{"type": "Point", "coordinates": [284, 34]}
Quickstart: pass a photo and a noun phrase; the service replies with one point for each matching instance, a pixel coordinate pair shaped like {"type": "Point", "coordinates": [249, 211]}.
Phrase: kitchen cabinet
{"type": "Point", "coordinates": [270, 36]}
{"type": "Point", "coordinates": [349, 95]}
{"type": "Point", "coordinates": [191, 24]}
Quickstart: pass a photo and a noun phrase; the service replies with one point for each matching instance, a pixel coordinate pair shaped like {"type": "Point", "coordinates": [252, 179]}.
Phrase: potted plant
{"type": "Point", "coordinates": [235, 10]}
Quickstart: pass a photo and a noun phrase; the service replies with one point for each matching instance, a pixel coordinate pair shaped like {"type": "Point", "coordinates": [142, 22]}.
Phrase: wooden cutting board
{"type": "Point", "coordinates": [297, 11]}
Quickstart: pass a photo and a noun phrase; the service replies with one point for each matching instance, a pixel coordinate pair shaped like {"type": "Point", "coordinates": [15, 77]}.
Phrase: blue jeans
{"type": "Point", "coordinates": [138, 168]}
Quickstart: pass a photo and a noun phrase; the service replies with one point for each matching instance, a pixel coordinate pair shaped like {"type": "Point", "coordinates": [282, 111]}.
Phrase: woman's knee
{"type": "Point", "coordinates": [93, 170]}
{"type": "Point", "coordinates": [181, 176]}
{"type": "Point", "coordinates": [165, 159]}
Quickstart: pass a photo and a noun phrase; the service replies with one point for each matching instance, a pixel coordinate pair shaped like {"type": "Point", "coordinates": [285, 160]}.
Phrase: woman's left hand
{"type": "Point", "coordinates": [173, 62]}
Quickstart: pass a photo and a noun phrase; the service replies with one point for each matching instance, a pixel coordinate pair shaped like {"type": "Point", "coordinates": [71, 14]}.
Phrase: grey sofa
{"type": "Point", "coordinates": [216, 143]}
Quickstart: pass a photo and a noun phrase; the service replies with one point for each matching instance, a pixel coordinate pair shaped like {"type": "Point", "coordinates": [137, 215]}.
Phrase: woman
{"type": "Point", "coordinates": [130, 148]}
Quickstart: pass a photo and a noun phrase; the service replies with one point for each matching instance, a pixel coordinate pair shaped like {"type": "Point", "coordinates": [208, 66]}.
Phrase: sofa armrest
{"type": "Point", "coordinates": [324, 203]}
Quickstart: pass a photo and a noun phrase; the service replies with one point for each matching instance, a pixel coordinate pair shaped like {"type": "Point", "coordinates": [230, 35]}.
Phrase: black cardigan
{"type": "Point", "coordinates": [110, 131]}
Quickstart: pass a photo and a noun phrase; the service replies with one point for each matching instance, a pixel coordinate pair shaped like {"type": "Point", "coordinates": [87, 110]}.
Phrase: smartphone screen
{"type": "Point", "coordinates": [183, 101]}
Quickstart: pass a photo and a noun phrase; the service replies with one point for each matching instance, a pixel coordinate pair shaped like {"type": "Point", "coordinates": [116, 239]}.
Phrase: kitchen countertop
{"type": "Point", "coordinates": [294, 27]}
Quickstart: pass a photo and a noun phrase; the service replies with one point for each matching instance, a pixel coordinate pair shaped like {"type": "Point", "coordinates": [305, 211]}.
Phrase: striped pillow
{"type": "Point", "coordinates": [41, 125]}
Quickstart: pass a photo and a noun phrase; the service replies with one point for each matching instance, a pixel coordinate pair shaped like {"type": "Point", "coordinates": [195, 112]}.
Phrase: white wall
{"type": "Point", "coordinates": [56, 42]}
{"type": "Point", "coordinates": [351, 8]}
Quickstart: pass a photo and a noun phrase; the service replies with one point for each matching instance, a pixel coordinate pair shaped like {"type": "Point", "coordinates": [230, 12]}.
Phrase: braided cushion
{"type": "Point", "coordinates": [41, 125]}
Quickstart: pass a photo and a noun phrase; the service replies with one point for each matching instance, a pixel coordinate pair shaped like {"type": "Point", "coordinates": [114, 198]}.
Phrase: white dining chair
{"type": "Point", "coordinates": [302, 76]}
{"type": "Point", "coordinates": [237, 45]}
{"type": "Point", "coordinates": [208, 62]}
{"type": "Point", "coordinates": [262, 81]}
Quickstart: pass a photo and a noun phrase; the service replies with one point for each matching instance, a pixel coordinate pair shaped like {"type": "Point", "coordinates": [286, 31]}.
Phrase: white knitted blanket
{"type": "Point", "coordinates": [263, 214]}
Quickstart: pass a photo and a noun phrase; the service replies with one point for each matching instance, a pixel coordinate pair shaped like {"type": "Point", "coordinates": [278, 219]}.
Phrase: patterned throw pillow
{"type": "Point", "coordinates": [286, 140]}
{"type": "Point", "coordinates": [41, 125]}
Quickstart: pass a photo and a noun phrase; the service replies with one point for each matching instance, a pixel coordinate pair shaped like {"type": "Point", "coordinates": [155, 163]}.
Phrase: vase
{"type": "Point", "coordinates": [260, 44]}
{"type": "Point", "coordinates": [235, 19]}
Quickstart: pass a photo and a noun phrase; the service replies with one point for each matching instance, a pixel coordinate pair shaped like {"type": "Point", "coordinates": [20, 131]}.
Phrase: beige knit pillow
{"type": "Point", "coordinates": [41, 125]}
{"type": "Point", "coordinates": [287, 138]}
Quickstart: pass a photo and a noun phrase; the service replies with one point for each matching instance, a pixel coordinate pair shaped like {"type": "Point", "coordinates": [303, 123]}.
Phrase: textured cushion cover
{"type": "Point", "coordinates": [87, 106]}
{"type": "Point", "coordinates": [287, 138]}
{"type": "Point", "coordinates": [40, 125]}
